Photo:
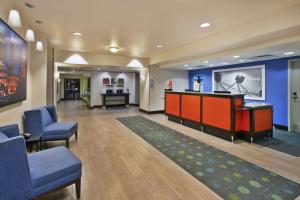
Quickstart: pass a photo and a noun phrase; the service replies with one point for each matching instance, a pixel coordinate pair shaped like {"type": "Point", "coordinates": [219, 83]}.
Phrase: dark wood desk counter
{"type": "Point", "coordinates": [115, 99]}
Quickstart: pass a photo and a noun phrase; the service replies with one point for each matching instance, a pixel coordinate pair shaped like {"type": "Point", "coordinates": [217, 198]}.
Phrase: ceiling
{"type": "Point", "coordinates": [137, 26]}
{"type": "Point", "coordinates": [238, 57]}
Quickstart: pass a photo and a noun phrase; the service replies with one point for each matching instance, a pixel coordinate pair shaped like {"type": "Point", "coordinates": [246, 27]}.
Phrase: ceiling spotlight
{"type": "Point", "coordinates": [77, 34]}
{"type": "Point", "coordinates": [205, 25]}
{"type": "Point", "coordinates": [159, 46]}
{"type": "Point", "coordinates": [206, 62]}
{"type": "Point", "coordinates": [114, 49]}
{"type": "Point", "coordinates": [289, 53]}
{"type": "Point", "coordinates": [236, 56]}
{"type": "Point", "coordinates": [186, 65]}
{"type": "Point", "coordinates": [241, 60]}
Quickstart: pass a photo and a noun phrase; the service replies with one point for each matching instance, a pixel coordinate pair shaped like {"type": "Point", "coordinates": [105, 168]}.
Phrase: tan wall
{"type": "Point", "coordinates": [36, 77]}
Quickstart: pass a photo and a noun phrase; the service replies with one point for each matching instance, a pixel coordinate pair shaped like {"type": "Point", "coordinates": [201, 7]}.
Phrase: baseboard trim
{"type": "Point", "coordinates": [281, 127]}
{"type": "Point", "coordinates": [151, 112]}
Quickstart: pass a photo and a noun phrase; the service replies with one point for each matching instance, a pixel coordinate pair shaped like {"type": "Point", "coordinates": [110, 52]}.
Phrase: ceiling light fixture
{"type": "Point", "coordinates": [186, 65]}
{"type": "Point", "coordinates": [114, 49]}
{"type": "Point", "coordinates": [77, 34]}
{"type": "Point", "coordinates": [29, 33]}
{"type": "Point", "coordinates": [211, 65]}
{"type": "Point", "coordinates": [289, 53]}
{"type": "Point", "coordinates": [190, 68]}
{"type": "Point", "coordinates": [225, 63]}
{"type": "Point", "coordinates": [205, 25]}
{"type": "Point", "coordinates": [241, 60]}
{"type": "Point", "coordinates": [159, 46]}
{"type": "Point", "coordinates": [206, 62]}
{"type": "Point", "coordinates": [236, 56]}
{"type": "Point", "coordinates": [39, 46]}
{"type": "Point", "coordinates": [14, 18]}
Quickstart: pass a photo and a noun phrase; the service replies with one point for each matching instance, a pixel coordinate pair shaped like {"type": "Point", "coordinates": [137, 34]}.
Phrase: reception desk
{"type": "Point", "coordinates": [222, 115]}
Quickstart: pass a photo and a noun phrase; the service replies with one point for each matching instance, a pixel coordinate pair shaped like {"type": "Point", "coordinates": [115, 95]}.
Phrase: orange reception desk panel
{"type": "Point", "coordinates": [226, 114]}
{"type": "Point", "coordinates": [172, 105]}
{"type": "Point", "coordinates": [217, 112]}
{"type": "Point", "coordinates": [190, 107]}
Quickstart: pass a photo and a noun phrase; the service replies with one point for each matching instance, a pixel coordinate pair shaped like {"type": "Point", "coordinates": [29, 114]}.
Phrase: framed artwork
{"type": "Point", "coordinates": [245, 80]}
{"type": "Point", "coordinates": [121, 81]}
{"type": "Point", "coordinates": [113, 81]}
{"type": "Point", "coordinates": [105, 81]}
{"type": "Point", "coordinates": [13, 66]}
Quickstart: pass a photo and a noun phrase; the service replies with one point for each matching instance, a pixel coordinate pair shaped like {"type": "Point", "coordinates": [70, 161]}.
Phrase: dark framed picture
{"type": "Point", "coordinates": [13, 66]}
{"type": "Point", "coordinates": [105, 81]}
{"type": "Point", "coordinates": [121, 81]}
{"type": "Point", "coordinates": [113, 81]}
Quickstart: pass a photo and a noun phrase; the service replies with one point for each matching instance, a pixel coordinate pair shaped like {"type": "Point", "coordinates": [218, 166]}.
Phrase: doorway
{"type": "Point", "coordinates": [71, 89]}
{"type": "Point", "coordinates": [294, 96]}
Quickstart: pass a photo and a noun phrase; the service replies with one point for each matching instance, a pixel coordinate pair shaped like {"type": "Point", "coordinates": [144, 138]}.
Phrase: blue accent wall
{"type": "Point", "coordinates": [276, 84]}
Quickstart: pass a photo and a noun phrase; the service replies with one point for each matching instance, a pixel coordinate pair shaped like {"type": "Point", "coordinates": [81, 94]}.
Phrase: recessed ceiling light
{"type": "Point", "coordinates": [289, 53]}
{"type": "Point", "coordinates": [206, 61]}
{"type": "Point", "coordinates": [114, 49]}
{"type": "Point", "coordinates": [224, 63]}
{"type": "Point", "coordinates": [236, 56]}
{"type": "Point", "coordinates": [77, 34]}
{"type": "Point", "coordinates": [205, 25]}
{"type": "Point", "coordinates": [241, 60]}
{"type": "Point", "coordinates": [186, 65]}
{"type": "Point", "coordinates": [159, 46]}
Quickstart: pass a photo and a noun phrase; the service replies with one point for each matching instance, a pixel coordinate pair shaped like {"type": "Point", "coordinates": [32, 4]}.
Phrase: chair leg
{"type": "Point", "coordinates": [67, 143]}
{"type": "Point", "coordinates": [78, 188]}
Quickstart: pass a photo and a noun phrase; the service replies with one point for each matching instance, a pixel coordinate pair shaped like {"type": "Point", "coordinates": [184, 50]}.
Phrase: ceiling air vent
{"type": "Point", "coordinates": [262, 57]}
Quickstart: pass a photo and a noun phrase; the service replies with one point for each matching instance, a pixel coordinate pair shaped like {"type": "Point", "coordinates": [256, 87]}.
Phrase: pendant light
{"type": "Point", "coordinates": [29, 33]}
{"type": "Point", "coordinates": [39, 46]}
{"type": "Point", "coordinates": [14, 17]}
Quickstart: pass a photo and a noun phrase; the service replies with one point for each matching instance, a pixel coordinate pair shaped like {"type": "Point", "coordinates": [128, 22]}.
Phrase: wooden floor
{"type": "Point", "coordinates": [117, 164]}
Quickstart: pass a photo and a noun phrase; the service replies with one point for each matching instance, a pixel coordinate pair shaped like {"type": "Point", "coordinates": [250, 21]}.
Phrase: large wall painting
{"type": "Point", "coordinates": [13, 66]}
{"type": "Point", "coordinates": [245, 80]}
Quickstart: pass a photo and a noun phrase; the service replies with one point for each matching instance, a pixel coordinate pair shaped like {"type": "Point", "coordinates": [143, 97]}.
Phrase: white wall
{"type": "Point", "coordinates": [97, 86]}
{"type": "Point", "coordinates": [159, 78]}
{"type": "Point", "coordinates": [36, 75]}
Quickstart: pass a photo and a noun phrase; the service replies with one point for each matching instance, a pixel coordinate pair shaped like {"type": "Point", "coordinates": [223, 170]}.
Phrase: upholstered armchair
{"type": "Point", "coordinates": [25, 176]}
{"type": "Point", "coordinates": [44, 121]}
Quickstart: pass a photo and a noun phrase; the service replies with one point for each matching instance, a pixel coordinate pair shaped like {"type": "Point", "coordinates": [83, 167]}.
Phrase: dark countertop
{"type": "Point", "coordinates": [256, 105]}
{"type": "Point", "coordinates": [206, 93]}
{"type": "Point", "coordinates": [115, 94]}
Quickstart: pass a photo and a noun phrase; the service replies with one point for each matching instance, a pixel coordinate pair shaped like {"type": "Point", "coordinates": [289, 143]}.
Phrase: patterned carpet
{"type": "Point", "coordinates": [229, 176]}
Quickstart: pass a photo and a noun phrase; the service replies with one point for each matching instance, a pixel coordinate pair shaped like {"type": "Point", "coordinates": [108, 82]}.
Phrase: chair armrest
{"type": "Point", "coordinates": [11, 130]}
{"type": "Point", "coordinates": [52, 112]}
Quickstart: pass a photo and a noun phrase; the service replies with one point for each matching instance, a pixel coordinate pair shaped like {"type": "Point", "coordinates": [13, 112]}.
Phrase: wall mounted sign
{"type": "Point", "coordinates": [13, 66]}
{"type": "Point", "coordinates": [245, 80]}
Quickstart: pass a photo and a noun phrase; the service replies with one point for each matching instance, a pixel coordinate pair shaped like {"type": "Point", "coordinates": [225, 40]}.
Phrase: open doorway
{"type": "Point", "coordinates": [294, 96]}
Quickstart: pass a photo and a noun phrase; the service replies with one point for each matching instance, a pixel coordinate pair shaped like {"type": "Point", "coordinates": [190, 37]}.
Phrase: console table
{"type": "Point", "coordinates": [115, 99]}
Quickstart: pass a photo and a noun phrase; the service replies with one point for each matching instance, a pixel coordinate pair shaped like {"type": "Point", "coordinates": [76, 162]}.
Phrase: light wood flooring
{"type": "Point", "coordinates": [118, 164]}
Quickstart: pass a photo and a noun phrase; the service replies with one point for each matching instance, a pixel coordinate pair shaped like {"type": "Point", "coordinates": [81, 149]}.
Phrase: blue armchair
{"type": "Point", "coordinates": [25, 176]}
{"type": "Point", "coordinates": [44, 121]}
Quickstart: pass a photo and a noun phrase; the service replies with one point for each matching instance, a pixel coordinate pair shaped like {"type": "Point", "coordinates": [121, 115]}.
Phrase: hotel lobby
{"type": "Point", "coordinates": [154, 100]}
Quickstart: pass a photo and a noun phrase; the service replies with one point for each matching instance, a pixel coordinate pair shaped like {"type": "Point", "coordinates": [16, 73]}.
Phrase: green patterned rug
{"type": "Point", "coordinates": [227, 175]}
